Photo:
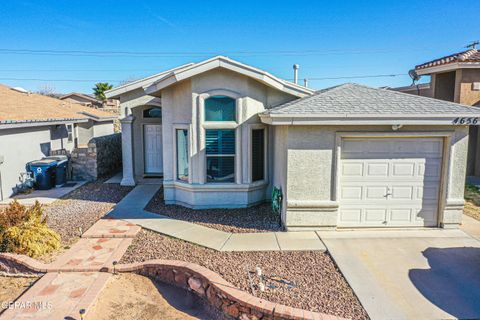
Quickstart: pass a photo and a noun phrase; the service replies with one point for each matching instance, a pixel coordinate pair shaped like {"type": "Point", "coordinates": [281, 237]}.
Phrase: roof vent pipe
{"type": "Point", "coordinates": [305, 83]}
{"type": "Point", "coordinates": [295, 73]}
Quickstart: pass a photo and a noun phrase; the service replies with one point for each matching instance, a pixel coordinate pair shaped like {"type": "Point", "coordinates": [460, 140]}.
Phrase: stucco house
{"type": "Point", "coordinates": [33, 126]}
{"type": "Point", "coordinates": [225, 134]}
{"type": "Point", "coordinates": [455, 78]}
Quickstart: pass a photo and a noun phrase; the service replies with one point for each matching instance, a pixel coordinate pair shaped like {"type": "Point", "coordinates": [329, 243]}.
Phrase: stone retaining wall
{"type": "Point", "coordinates": [205, 283]}
{"type": "Point", "coordinates": [101, 157]}
{"type": "Point", "coordinates": [219, 293]}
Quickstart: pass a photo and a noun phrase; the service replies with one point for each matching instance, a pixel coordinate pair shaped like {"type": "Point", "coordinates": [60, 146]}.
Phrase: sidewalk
{"type": "Point", "coordinates": [131, 209]}
{"type": "Point", "coordinates": [74, 280]}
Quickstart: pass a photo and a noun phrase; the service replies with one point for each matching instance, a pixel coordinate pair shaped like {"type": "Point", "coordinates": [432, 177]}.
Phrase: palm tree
{"type": "Point", "coordinates": [99, 90]}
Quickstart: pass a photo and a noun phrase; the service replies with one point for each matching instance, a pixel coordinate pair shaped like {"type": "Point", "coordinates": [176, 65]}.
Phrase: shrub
{"type": "Point", "coordinates": [25, 231]}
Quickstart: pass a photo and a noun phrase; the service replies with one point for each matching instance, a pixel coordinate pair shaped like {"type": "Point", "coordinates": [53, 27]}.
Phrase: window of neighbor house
{"type": "Point", "coordinates": [258, 154]}
{"type": "Point", "coordinates": [182, 154]}
{"type": "Point", "coordinates": [70, 132]}
{"type": "Point", "coordinates": [220, 108]}
{"type": "Point", "coordinates": [220, 152]}
{"type": "Point", "coordinates": [152, 113]}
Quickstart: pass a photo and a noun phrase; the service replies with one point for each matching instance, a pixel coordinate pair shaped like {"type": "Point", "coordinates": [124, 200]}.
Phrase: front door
{"type": "Point", "coordinates": [152, 137]}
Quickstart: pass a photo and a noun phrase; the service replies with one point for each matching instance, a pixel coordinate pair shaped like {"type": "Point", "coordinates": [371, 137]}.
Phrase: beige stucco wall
{"type": "Point", "coordinates": [21, 145]}
{"type": "Point", "coordinates": [102, 128]}
{"type": "Point", "coordinates": [183, 108]}
{"type": "Point", "coordinates": [469, 96]}
{"type": "Point", "coordinates": [310, 187]}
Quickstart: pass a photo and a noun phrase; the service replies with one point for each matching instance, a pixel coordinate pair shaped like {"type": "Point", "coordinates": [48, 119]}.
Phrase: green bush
{"type": "Point", "coordinates": [24, 231]}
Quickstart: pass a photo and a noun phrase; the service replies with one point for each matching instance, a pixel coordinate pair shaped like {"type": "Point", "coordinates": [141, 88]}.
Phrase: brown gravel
{"type": "Point", "coordinates": [319, 284]}
{"type": "Point", "coordinates": [254, 219]}
{"type": "Point", "coordinates": [81, 209]}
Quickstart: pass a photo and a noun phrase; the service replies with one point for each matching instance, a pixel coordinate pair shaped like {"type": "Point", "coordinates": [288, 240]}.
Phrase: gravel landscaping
{"type": "Point", "coordinates": [254, 219]}
{"type": "Point", "coordinates": [80, 209]}
{"type": "Point", "coordinates": [316, 284]}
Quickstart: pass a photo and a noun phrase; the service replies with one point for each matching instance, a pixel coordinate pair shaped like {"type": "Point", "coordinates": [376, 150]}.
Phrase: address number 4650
{"type": "Point", "coordinates": [465, 121]}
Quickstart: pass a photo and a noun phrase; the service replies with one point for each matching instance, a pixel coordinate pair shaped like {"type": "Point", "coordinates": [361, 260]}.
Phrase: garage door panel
{"type": "Point", "coordinates": [376, 193]}
{"type": "Point", "coordinates": [390, 182]}
{"type": "Point", "coordinates": [401, 215]}
{"type": "Point", "coordinates": [351, 193]}
{"type": "Point", "coordinates": [375, 215]}
{"type": "Point", "coordinates": [402, 193]}
{"type": "Point", "coordinates": [351, 216]}
{"type": "Point", "coordinates": [377, 169]}
{"type": "Point", "coordinates": [404, 169]}
{"type": "Point", "coordinates": [352, 169]}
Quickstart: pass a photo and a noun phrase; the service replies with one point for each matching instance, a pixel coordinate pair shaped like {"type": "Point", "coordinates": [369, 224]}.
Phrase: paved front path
{"type": "Point", "coordinates": [131, 209]}
{"type": "Point", "coordinates": [424, 274]}
{"type": "Point", "coordinates": [76, 281]}
{"type": "Point", "coordinates": [471, 226]}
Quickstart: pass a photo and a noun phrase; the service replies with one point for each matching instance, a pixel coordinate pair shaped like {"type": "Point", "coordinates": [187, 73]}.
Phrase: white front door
{"type": "Point", "coordinates": [152, 137]}
{"type": "Point", "coordinates": [390, 182]}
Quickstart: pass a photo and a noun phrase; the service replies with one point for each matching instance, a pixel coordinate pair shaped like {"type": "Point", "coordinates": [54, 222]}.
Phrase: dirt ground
{"type": "Point", "coordinates": [12, 287]}
{"type": "Point", "coordinates": [133, 297]}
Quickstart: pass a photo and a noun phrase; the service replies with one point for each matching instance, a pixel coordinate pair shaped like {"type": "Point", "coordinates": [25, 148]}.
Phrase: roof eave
{"type": "Point", "coordinates": [361, 119]}
{"type": "Point", "coordinates": [447, 67]}
{"type": "Point", "coordinates": [38, 123]}
{"type": "Point", "coordinates": [118, 91]}
{"type": "Point", "coordinates": [223, 62]}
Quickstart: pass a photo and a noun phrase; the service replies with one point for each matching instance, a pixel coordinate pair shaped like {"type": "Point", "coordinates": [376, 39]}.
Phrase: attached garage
{"type": "Point", "coordinates": [352, 156]}
{"type": "Point", "coordinates": [390, 182]}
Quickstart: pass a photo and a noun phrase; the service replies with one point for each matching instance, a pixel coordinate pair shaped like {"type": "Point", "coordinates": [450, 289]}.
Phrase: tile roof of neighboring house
{"type": "Point", "coordinates": [353, 100]}
{"type": "Point", "coordinates": [81, 95]}
{"type": "Point", "coordinates": [472, 55]}
{"type": "Point", "coordinates": [19, 107]}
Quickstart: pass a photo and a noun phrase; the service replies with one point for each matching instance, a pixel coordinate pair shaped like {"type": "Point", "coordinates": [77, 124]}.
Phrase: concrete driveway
{"type": "Point", "coordinates": [425, 274]}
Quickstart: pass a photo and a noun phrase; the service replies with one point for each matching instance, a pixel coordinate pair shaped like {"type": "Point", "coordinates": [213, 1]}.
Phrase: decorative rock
{"type": "Point", "coordinates": [196, 285]}
{"type": "Point", "coordinates": [232, 310]}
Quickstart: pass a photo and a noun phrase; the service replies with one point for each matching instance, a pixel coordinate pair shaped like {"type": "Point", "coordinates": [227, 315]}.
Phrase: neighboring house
{"type": "Point", "coordinates": [84, 99]}
{"type": "Point", "coordinates": [455, 78]}
{"type": "Point", "coordinates": [33, 126]}
{"type": "Point", "coordinates": [90, 101]}
{"type": "Point", "coordinates": [224, 134]}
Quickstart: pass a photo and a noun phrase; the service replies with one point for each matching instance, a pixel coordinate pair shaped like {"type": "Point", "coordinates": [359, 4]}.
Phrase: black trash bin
{"type": "Point", "coordinates": [43, 172]}
{"type": "Point", "coordinates": [60, 170]}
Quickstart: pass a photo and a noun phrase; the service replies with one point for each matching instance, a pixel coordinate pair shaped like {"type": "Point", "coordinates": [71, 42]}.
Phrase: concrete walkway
{"type": "Point", "coordinates": [471, 226]}
{"type": "Point", "coordinates": [77, 281]}
{"type": "Point", "coordinates": [131, 209]}
{"type": "Point", "coordinates": [44, 196]}
{"type": "Point", "coordinates": [424, 274]}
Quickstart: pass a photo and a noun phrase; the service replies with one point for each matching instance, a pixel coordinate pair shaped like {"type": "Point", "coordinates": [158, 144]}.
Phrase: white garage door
{"type": "Point", "coordinates": [390, 182]}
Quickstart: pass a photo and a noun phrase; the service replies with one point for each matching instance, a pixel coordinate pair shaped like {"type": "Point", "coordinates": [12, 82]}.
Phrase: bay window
{"type": "Point", "coordinates": [258, 154]}
{"type": "Point", "coordinates": [182, 154]}
{"type": "Point", "coordinates": [220, 153]}
{"type": "Point", "coordinates": [220, 108]}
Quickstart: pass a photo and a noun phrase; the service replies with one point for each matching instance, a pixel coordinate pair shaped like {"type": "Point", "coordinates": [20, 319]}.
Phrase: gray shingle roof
{"type": "Point", "coordinates": [354, 99]}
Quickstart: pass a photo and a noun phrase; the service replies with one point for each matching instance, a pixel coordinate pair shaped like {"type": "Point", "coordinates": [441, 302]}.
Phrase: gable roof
{"type": "Point", "coordinates": [81, 95]}
{"type": "Point", "coordinates": [468, 58]}
{"type": "Point", "coordinates": [353, 103]}
{"type": "Point", "coordinates": [28, 108]}
{"type": "Point", "coordinates": [117, 91]}
{"type": "Point", "coordinates": [266, 78]}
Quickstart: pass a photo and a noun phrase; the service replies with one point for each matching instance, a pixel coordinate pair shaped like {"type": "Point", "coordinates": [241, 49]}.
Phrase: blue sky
{"type": "Point", "coordinates": [327, 38]}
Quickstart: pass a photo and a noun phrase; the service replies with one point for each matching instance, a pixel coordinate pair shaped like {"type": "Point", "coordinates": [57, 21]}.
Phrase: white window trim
{"type": "Point", "coordinates": [176, 127]}
{"type": "Point", "coordinates": [250, 153]}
